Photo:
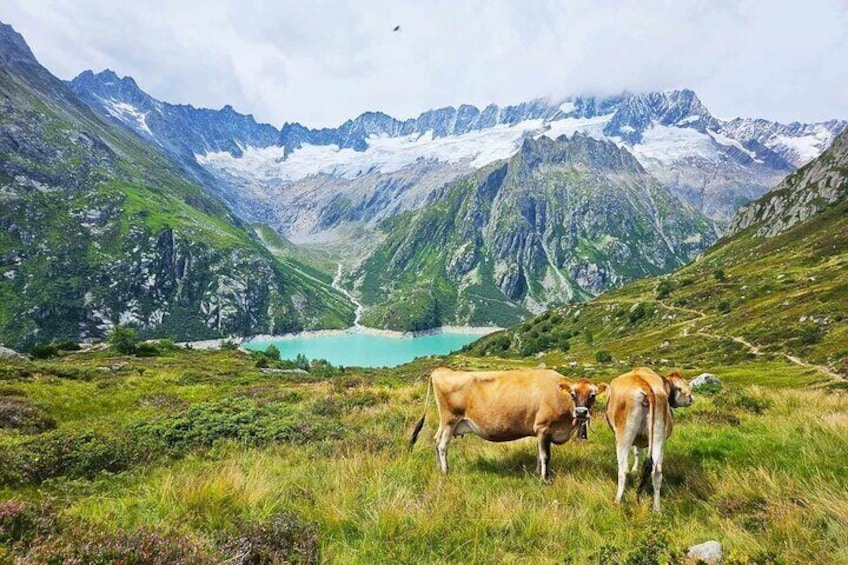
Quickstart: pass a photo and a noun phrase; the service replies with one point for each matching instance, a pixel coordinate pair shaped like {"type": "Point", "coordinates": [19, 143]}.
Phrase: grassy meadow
{"type": "Point", "coordinates": [201, 457]}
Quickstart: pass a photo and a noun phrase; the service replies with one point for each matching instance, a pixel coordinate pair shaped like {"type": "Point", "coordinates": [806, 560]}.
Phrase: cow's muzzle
{"type": "Point", "coordinates": [582, 416]}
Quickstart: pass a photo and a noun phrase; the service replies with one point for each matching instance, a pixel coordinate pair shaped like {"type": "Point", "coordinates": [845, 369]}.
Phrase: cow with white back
{"type": "Point", "coordinates": [509, 405]}
{"type": "Point", "coordinates": [639, 413]}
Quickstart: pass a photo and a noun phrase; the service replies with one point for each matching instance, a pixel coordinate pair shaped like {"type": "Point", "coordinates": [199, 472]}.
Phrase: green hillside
{"type": "Point", "coordinates": [748, 296]}
{"type": "Point", "coordinates": [97, 228]}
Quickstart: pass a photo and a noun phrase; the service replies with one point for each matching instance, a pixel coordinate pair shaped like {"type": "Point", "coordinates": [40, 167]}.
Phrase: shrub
{"type": "Point", "coordinates": [77, 545]}
{"type": "Point", "coordinates": [723, 307]}
{"type": "Point", "coordinates": [719, 275]}
{"type": "Point", "coordinates": [228, 345]}
{"type": "Point", "coordinates": [44, 351]}
{"type": "Point", "coordinates": [68, 346]}
{"type": "Point", "coordinates": [688, 281]}
{"type": "Point", "coordinates": [588, 337]}
{"type": "Point", "coordinates": [123, 339]}
{"type": "Point", "coordinates": [147, 349]}
{"type": "Point", "coordinates": [637, 313]}
{"type": "Point", "coordinates": [810, 334]}
{"type": "Point", "coordinates": [18, 414]}
{"type": "Point", "coordinates": [301, 362]}
{"type": "Point", "coordinates": [284, 538]}
{"type": "Point", "coordinates": [663, 290]}
{"type": "Point", "coordinates": [272, 352]}
{"type": "Point", "coordinates": [21, 521]}
{"type": "Point", "coordinates": [603, 356]}
{"type": "Point", "coordinates": [239, 419]}
{"type": "Point", "coordinates": [73, 455]}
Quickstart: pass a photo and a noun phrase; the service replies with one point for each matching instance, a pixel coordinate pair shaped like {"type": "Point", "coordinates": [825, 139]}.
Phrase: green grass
{"type": "Point", "coordinates": [758, 465]}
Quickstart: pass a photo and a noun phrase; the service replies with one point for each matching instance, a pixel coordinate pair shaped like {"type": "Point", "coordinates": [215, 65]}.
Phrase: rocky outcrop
{"type": "Point", "coordinates": [800, 196]}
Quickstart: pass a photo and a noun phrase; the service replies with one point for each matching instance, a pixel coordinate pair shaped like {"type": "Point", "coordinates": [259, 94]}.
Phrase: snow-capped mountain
{"type": "Point", "coordinates": [306, 182]}
{"type": "Point", "coordinates": [183, 129]}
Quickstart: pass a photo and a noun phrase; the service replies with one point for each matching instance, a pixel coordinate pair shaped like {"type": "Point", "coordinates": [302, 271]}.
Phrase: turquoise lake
{"type": "Point", "coordinates": [367, 350]}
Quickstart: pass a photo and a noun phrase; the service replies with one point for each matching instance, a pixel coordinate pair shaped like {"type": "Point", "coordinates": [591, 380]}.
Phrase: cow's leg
{"type": "Point", "coordinates": [544, 455]}
{"type": "Point", "coordinates": [442, 445]}
{"type": "Point", "coordinates": [635, 467]}
{"type": "Point", "coordinates": [621, 450]}
{"type": "Point", "coordinates": [436, 439]}
{"type": "Point", "coordinates": [624, 439]}
{"type": "Point", "coordinates": [657, 478]}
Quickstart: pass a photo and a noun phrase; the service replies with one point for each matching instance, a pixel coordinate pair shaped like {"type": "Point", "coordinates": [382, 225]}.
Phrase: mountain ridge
{"type": "Point", "coordinates": [98, 227]}
{"type": "Point", "coordinates": [559, 221]}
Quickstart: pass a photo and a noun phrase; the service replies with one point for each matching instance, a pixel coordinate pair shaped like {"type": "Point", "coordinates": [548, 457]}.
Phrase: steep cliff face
{"type": "Point", "coordinates": [800, 196]}
{"type": "Point", "coordinates": [98, 228]}
{"type": "Point", "coordinates": [560, 221]}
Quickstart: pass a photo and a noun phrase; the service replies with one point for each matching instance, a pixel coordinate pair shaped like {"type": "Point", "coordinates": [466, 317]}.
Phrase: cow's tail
{"type": "Point", "coordinates": [648, 465]}
{"type": "Point", "coordinates": [420, 423]}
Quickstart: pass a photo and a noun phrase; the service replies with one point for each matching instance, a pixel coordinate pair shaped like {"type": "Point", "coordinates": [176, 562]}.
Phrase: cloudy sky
{"type": "Point", "coordinates": [320, 62]}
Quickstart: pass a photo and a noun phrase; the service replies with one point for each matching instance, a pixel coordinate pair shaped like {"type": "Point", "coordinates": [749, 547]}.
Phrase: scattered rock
{"type": "Point", "coordinates": [572, 364]}
{"type": "Point", "coordinates": [541, 366]}
{"type": "Point", "coordinates": [708, 552]}
{"type": "Point", "coordinates": [704, 380]}
{"type": "Point", "coordinates": [270, 371]}
{"type": "Point", "coordinates": [665, 344]}
{"type": "Point", "coordinates": [7, 354]}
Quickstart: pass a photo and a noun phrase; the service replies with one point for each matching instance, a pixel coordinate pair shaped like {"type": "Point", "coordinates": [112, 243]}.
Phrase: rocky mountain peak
{"type": "Point", "coordinates": [580, 151]}
{"type": "Point", "coordinates": [14, 51]}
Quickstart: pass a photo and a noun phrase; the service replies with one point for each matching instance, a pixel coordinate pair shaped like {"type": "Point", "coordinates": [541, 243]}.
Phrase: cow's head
{"type": "Point", "coordinates": [679, 391]}
{"type": "Point", "coordinates": [583, 394]}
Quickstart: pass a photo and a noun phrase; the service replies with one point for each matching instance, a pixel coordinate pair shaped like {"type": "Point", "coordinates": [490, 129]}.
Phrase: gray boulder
{"type": "Point", "coordinates": [708, 552]}
{"type": "Point", "coordinates": [7, 354]}
{"type": "Point", "coordinates": [704, 380]}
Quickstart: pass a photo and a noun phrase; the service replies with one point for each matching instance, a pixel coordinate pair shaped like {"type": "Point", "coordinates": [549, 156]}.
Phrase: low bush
{"type": "Point", "coordinates": [603, 356]}
{"type": "Point", "coordinates": [663, 290]}
{"type": "Point", "coordinates": [284, 538]}
{"type": "Point", "coordinates": [239, 419]}
{"type": "Point", "coordinates": [77, 545]}
{"type": "Point", "coordinates": [68, 346]}
{"type": "Point", "coordinates": [272, 352]}
{"type": "Point", "coordinates": [637, 313]}
{"type": "Point", "coordinates": [19, 414]}
{"type": "Point", "coordinates": [22, 521]}
{"type": "Point", "coordinates": [123, 339]}
{"type": "Point", "coordinates": [147, 349]}
{"type": "Point", "coordinates": [43, 351]}
{"type": "Point", "coordinates": [70, 454]}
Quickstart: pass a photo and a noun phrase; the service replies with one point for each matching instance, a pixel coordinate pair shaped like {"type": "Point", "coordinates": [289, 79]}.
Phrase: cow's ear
{"type": "Point", "coordinates": [602, 388]}
{"type": "Point", "coordinates": [566, 387]}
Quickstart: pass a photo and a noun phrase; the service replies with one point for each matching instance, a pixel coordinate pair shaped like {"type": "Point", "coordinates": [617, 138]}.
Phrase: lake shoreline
{"type": "Point", "coordinates": [261, 338]}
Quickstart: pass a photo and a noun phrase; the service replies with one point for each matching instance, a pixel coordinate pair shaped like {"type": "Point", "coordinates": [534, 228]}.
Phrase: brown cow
{"type": "Point", "coordinates": [508, 405]}
{"type": "Point", "coordinates": [639, 413]}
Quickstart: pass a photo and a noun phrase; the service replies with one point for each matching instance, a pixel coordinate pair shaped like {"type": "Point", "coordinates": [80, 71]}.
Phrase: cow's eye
{"type": "Point", "coordinates": [573, 394]}
{"type": "Point", "coordinates": [592, 395]}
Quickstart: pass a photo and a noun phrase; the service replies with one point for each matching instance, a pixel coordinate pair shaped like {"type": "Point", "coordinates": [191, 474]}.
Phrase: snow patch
{"type": "Point", "coordinates": [127, 113]}
{"type": "Point", "coordinates": [389, 154]}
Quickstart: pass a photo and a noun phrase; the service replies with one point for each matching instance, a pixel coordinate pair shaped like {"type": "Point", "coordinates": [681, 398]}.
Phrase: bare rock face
{"type": "Point", "coordinates": [800, 196]}
{"type": "Point", "coordinates": [705, 380]}
{"type": "Point", "coordinates": [7, 354]}
{"type": "Point", "coordinates": [707, 552]}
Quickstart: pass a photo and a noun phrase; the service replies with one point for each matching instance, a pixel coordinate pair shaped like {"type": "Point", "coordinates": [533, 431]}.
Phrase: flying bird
{"type": "Point", "coordinates": [397, 28]}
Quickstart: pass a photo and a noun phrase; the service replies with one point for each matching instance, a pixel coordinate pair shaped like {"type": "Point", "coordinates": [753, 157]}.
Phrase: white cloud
{"type": "Point", "coordinates": [322, 62]}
